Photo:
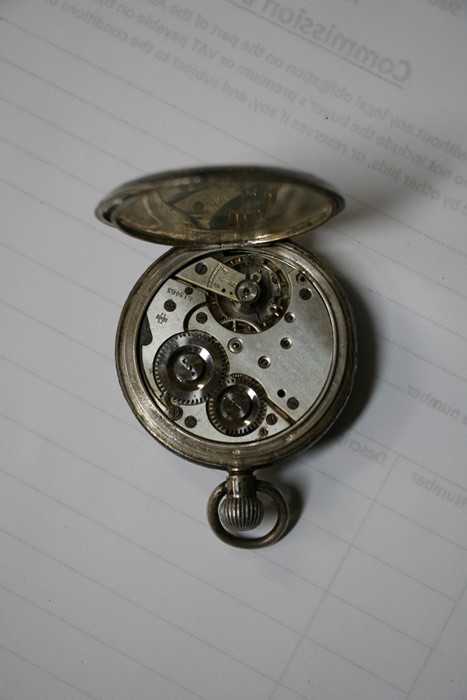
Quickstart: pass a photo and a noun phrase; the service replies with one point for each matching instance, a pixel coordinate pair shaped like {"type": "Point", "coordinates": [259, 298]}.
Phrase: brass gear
{"type": "Point", "coordinates": [189, 367]}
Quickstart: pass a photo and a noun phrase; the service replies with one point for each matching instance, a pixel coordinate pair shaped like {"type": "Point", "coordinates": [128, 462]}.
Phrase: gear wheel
{"type": "Point", "coordinates": [263, 296]}
{"type": "Point", "coordinates": [190, 367]}
{"type": "Point", "coordinates": [239, 407]}
{"type": "Point", "coordinates": [239, 324]}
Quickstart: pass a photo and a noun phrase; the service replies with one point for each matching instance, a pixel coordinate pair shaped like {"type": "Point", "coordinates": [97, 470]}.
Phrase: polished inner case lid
{"type": "Point", "coordinates": [235, 205]}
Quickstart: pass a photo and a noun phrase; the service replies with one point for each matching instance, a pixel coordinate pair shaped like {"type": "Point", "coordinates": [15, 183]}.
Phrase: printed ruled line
{"type": "Point", "coordinates": [327, 594]}
{"type": "Point", "coordinates": [104, 232]}
{"type": "Point", "coordinates": [357, 532]}
{"type": "Point", "coordinates": [316, 44]}
{"type": "Point", "coordinates": [114, 477]}
{"type": "Point", "coordinates": [130, 601]}
{"type": "Point", "coordinates": [396, 262]}
{"type": "Point", "coordinates": [70, 134]}
{"type": "Point", "coordinates": [70, 393]}
{"type": "Point", "coordinates": [85, 223]}
{"type": "Point", "coordinates": [138, 88]}
{"type": "Point", "coordinates": [356, 548]}
{"type": "Point", "coordinates": [48, 163]}
{"type": "Point", "coordinates": [339, 231]}
{"type": "Point", "coordinates": [53, 329]}
{"type": "Point", "coordinates": [425, 359]}
{"type": "Point", "coordinates": [56, 273]}
{"type": "Point", "coordinates": [352, 281]}
{"type": "Point", "coordinates": [99, 641]}
{"type": "Point", "coordinates": [152, 553]}
{"type": "Point", "coordinates": [409, 310]}
{"type": "Point", "coordinates": [108, 358]}
{"type": "Point", "coordinates": [98, 108]}
{"type": "Point", "coordinates": [308, 632]}
{"type": "Point", "coordinates": [340, 657]}
{"type": "Point", "coordinates": [383, 623]}
{"type": "Point", "coordinates": [146, 550]}
{"type": "Point", "coordinates": [427, 660]}
{"type": "Point", "coordinates": [401, 223]}
{"type": "Point", "coordinates": [405, 349]}
{"type": "Point", "coordinates": [256, 14]}
{"type": "Point", "coordinates": [396, 452]}
{"type": "Point", "coordinates": [415, 312]}
{"type": "Point", "coordinates": [47, 672]}
{"type": "Point", "coordinates": [216, 127]}
{"type": "Point", "coordinates": [358, 284]}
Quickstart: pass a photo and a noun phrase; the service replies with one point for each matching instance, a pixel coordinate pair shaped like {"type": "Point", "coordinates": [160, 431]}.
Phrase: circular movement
{"type": "Point", "coordinates": [236, 349]}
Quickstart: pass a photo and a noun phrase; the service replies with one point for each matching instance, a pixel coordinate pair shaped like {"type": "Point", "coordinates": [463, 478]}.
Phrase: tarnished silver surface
{"type": "Point", "coordinates": [310, 361]}
{"type": "Point", "coordinates": [241, 513]}
{"type": "Point", "coordinates": [241, 510]}
{"type": "Point", "coordinates": [231, 354]}
{"type": "Point", "coordinates": [222, 206]}
{"type": "Point", "coordinates": [212, 276]}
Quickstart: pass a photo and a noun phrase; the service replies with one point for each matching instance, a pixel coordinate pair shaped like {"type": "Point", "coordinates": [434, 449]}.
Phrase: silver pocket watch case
{"type": "Point", "coordinates": [236, 349]}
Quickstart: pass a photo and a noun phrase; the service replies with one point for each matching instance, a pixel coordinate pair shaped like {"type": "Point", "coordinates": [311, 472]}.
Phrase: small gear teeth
{"type": "Point", "coordinates": [265, 308]}
{"type": "Point", "coordinates": [190, 367]}
{"type": "Point", "coordinates": [239, 407]}
{"type": "Point", "coordinates": [232, 320]}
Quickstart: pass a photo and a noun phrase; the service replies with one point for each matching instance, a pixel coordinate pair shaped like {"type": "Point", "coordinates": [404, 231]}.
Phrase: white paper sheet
{"type": "Point", "coordinates": [111, 584]}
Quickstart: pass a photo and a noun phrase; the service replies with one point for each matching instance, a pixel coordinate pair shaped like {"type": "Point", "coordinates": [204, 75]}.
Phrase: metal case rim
{"type": "Point", "coordinates": [246, 456]}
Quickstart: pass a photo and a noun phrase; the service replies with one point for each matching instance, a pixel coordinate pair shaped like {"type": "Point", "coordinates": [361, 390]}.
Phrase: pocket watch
{"type": "Point", "coordinates": [236, 349]}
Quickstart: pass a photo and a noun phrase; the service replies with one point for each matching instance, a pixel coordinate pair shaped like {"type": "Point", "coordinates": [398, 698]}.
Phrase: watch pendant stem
{"type": "Point", "coordinates": [241, 508]}
{"type": "Point", "coordinates": [234, 507]}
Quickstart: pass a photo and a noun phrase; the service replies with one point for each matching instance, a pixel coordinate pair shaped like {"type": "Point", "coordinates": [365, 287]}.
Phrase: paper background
{"type": "Point", "coordinates": [111, 584]}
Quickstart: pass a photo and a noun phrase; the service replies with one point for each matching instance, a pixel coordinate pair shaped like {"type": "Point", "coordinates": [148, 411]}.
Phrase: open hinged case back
{"type": "Point", "coordinates": [236, 349]}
